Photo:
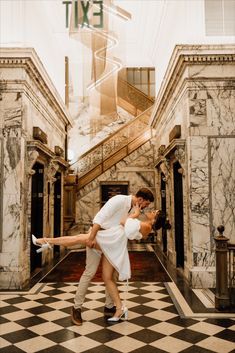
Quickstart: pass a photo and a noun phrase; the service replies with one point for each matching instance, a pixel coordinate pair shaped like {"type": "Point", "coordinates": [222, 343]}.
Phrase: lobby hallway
{"type": "Point", "coordinates": [159, 320]}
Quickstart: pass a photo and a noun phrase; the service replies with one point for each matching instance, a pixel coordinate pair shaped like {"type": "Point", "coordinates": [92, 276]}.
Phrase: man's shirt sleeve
{"type": "Point", "coordinates": [108, 210]}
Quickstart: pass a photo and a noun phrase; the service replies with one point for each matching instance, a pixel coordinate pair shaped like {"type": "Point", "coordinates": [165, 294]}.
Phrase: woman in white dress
{"type": "Point", "coordinates": [113, 244]}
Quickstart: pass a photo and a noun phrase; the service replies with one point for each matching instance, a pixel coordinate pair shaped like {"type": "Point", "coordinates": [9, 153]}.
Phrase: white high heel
{"type": "Point", "coordinates": [42, 246]}
{"type": "Point", "coordinates": [117, 318]}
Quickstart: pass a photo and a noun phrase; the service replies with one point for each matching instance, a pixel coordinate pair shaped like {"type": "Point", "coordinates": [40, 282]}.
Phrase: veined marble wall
{"type": "Point", "coordinates": [28, 100]}
{"type": "Point", "coordinates": [198, 95]}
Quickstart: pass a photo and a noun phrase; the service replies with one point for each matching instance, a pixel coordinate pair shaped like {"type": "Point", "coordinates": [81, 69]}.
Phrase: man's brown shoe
{"type": "Point", "coordinates": [109, 311]}
{"type": "Point", "coordinates": [76, 316]}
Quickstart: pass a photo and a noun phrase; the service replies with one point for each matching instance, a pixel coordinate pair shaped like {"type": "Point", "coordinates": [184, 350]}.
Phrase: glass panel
{"type": "Point", "coordinates": [137, 76]}
{"type": "Point", "coordinates": [144, 89]}
{"type": "Point", "coordinates": [152, 76]}
{"type": "Point", "coordinates": [130, 75]}
{"type": "Point", "coordinates": [144, 76]}
{"type": "Point", "coordinates": [138, 87]}
{"type": "Point", "coordinates": [152, 91]}
{"type": "Point", "coordinates": [229, 21]}
{"type": "Point", "coordinates": [213, 17]}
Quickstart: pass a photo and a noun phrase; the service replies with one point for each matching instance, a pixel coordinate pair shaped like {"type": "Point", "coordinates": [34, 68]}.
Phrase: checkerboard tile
{"type": "Point", "coordinates": [41, 322]}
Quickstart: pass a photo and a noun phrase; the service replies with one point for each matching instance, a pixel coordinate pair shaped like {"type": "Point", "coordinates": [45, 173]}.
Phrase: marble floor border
{"type": "Point", "coordinates": [206, 296]}
{"type": "Point", "coordinates": [37, 288]}
{"type": "Point", "coordinates": [184, 309]}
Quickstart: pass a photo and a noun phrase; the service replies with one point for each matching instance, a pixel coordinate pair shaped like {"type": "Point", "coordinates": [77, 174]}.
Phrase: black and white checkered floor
{"type": "Point", "coordinates": [39, 321]}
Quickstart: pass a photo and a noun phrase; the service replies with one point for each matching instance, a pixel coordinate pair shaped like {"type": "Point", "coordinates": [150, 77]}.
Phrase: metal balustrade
{"type": "Point", "coordinates": [114, 148]}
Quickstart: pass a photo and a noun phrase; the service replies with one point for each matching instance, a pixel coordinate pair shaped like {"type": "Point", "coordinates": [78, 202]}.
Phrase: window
{"type": "Point", "coordinates": [220, 17]}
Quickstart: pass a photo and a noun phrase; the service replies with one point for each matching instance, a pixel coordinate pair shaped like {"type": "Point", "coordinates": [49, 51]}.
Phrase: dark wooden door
{"type": "Point", "coordinates": [163, 203]}
{"type": "Point", "coordinates": [179, 215]}
{"type": "Point", "coordinates": [37, 213]}
{"type": "Point", "coordinates": [57, 211]}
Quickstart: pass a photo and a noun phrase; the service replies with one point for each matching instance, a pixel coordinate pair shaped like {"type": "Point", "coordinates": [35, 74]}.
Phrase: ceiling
{"type": "Point", "coordinates": [138, 37]}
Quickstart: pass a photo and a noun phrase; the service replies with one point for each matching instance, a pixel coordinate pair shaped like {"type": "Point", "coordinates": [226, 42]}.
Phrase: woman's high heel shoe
{"type": "Point", "coordinates": [117, 318]}
{"type": "Point", "coordinates": [42, 246]}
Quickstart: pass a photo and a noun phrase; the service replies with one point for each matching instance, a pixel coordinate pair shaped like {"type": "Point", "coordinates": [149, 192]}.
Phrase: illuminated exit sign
{"type": "Point", "coordinates": [81, 10]}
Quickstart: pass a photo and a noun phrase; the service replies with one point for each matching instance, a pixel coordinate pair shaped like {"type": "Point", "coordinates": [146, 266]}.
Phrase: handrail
{"type": "Point", "coordinates": [138, 91]}
{"type": "Point", "coordinates": [146, 112]}
{"type": "Point", "coordinates": [133, 95]}
{"type": "Point", "coordinates": [113, 149]}
{"type": "Point", "coordinates": [120, 143]}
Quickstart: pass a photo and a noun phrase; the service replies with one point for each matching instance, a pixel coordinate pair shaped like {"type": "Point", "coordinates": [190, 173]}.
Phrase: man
{"type": "Point", "coordinates": [111, 214]}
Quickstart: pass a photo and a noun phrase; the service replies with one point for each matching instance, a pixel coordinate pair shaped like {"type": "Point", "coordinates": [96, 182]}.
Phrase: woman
{"type": "Point", "coordinates": [113, 244]}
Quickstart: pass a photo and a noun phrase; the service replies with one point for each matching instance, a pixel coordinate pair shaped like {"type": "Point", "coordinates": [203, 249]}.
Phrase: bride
{"type": "Point", "coordinates": [112, 243]}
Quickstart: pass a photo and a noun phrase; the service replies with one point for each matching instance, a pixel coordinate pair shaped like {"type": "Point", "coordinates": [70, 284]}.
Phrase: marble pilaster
{"type": "Point", "coordinates": [28, 100]}
{"type": "Point", "coordinates": [198, 94]}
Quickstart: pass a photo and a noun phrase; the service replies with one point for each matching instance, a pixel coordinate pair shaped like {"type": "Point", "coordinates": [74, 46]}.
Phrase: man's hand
{"type": "Point", "coordinates": [91, 243]}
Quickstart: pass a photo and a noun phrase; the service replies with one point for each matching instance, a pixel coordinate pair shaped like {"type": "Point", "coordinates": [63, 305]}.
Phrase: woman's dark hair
{"type": "Point", "coordinates": [146, 194]}
{"type": "Point", "coordinates": [160, 220]}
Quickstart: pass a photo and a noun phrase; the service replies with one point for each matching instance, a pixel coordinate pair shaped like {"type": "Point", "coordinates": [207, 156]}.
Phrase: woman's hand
{"type": "Point", "coordinates": [137, 209]}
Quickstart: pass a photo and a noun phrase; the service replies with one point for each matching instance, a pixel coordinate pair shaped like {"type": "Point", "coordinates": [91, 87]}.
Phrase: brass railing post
{"type": "Point", "coordinates": [222, 293]}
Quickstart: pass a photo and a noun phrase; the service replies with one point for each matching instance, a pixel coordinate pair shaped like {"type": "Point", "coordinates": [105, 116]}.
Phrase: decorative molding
{"type": "Point", "coordinates": [42, 149]}
{"type": "Point", "coordinates": [165, 168]}
{"type": "Point", "coordinates": [39, 134]}
{"type": "Point", "coordinates": [59, 151]}
{"type": "Point", "coordinates": [27, 59]}
{"type": "Point", "coordinates": [175, 133]}
{"type": "Point", "coordinates": [51, 171]}
{"type": "Point", "coordinates": [32, 157]}
{"type": "Point", "coordinates": [182, 57]}
{"type": "Point", "coordinates": [178, 144]}
{"type": "Point", "coordinates": [180, 154]}
{"type": "Point", "coordinates": [161, 150]}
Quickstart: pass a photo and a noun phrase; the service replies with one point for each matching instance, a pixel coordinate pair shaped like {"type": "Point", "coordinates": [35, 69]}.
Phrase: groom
{"type": "Point", "coordinates": [115, 209]}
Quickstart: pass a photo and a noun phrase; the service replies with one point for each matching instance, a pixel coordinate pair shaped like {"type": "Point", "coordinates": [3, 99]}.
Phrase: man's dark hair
{"type": "Point", "coordinates": [146, 194]}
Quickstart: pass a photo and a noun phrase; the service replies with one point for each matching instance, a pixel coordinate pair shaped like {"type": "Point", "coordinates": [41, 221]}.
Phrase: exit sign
{"type": "Point", "coordinates": [81, 10]}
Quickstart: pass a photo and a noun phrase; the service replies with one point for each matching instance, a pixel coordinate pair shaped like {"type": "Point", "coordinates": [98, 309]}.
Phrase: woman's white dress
{"type": "Point", "coordinates": [113, 242]}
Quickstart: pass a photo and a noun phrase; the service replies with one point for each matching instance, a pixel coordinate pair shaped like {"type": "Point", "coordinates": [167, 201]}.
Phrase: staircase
{"type": "Point", "coordinates": [123, 141]}
{"type": "Point", "coordinates": [131, 99]}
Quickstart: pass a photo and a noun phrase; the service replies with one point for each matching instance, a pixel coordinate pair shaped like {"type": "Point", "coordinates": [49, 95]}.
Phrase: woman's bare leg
{"type": "Point", "coordinates": [111, 286]}
{"type": "Point", "coordinates": [65, 241]}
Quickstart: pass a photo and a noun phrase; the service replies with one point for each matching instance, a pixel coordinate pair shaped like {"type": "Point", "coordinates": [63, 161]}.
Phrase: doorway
{"type": "Point", "coordinates": [57, 212]}
{"type": "Point", "coordinates": [37, 213]}
{"type": "Point", "coordinates": [179, 215]}
{"type": "Point", "coordinates": [163, 203]}
{"type": "Point", "coordinates": [112, 188]}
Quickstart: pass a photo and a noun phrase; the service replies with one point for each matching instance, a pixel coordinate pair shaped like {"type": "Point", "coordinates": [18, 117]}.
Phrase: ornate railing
{"type": "Point", "coordinates": [136, 98]}
{"type": "Point", "coordinates": [113, 149]}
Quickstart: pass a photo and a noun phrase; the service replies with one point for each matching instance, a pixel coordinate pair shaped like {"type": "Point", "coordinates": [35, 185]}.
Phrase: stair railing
{"type": "Point", "coordinates": [113, 148]}
{"type": "Point", "coordinates": [128, 93]}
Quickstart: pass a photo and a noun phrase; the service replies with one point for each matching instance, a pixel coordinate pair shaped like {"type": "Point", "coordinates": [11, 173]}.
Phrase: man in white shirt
{"type": "Point", "coordinates": [115, 209]}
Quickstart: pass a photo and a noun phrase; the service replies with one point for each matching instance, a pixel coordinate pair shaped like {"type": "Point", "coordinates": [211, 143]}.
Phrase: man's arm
{"type": "Point", "coordinates": [135, 214]}
{"type": "Point", "coordinates": [105, 213]}
{"type": "Point", "coordinates": [91, 241]}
